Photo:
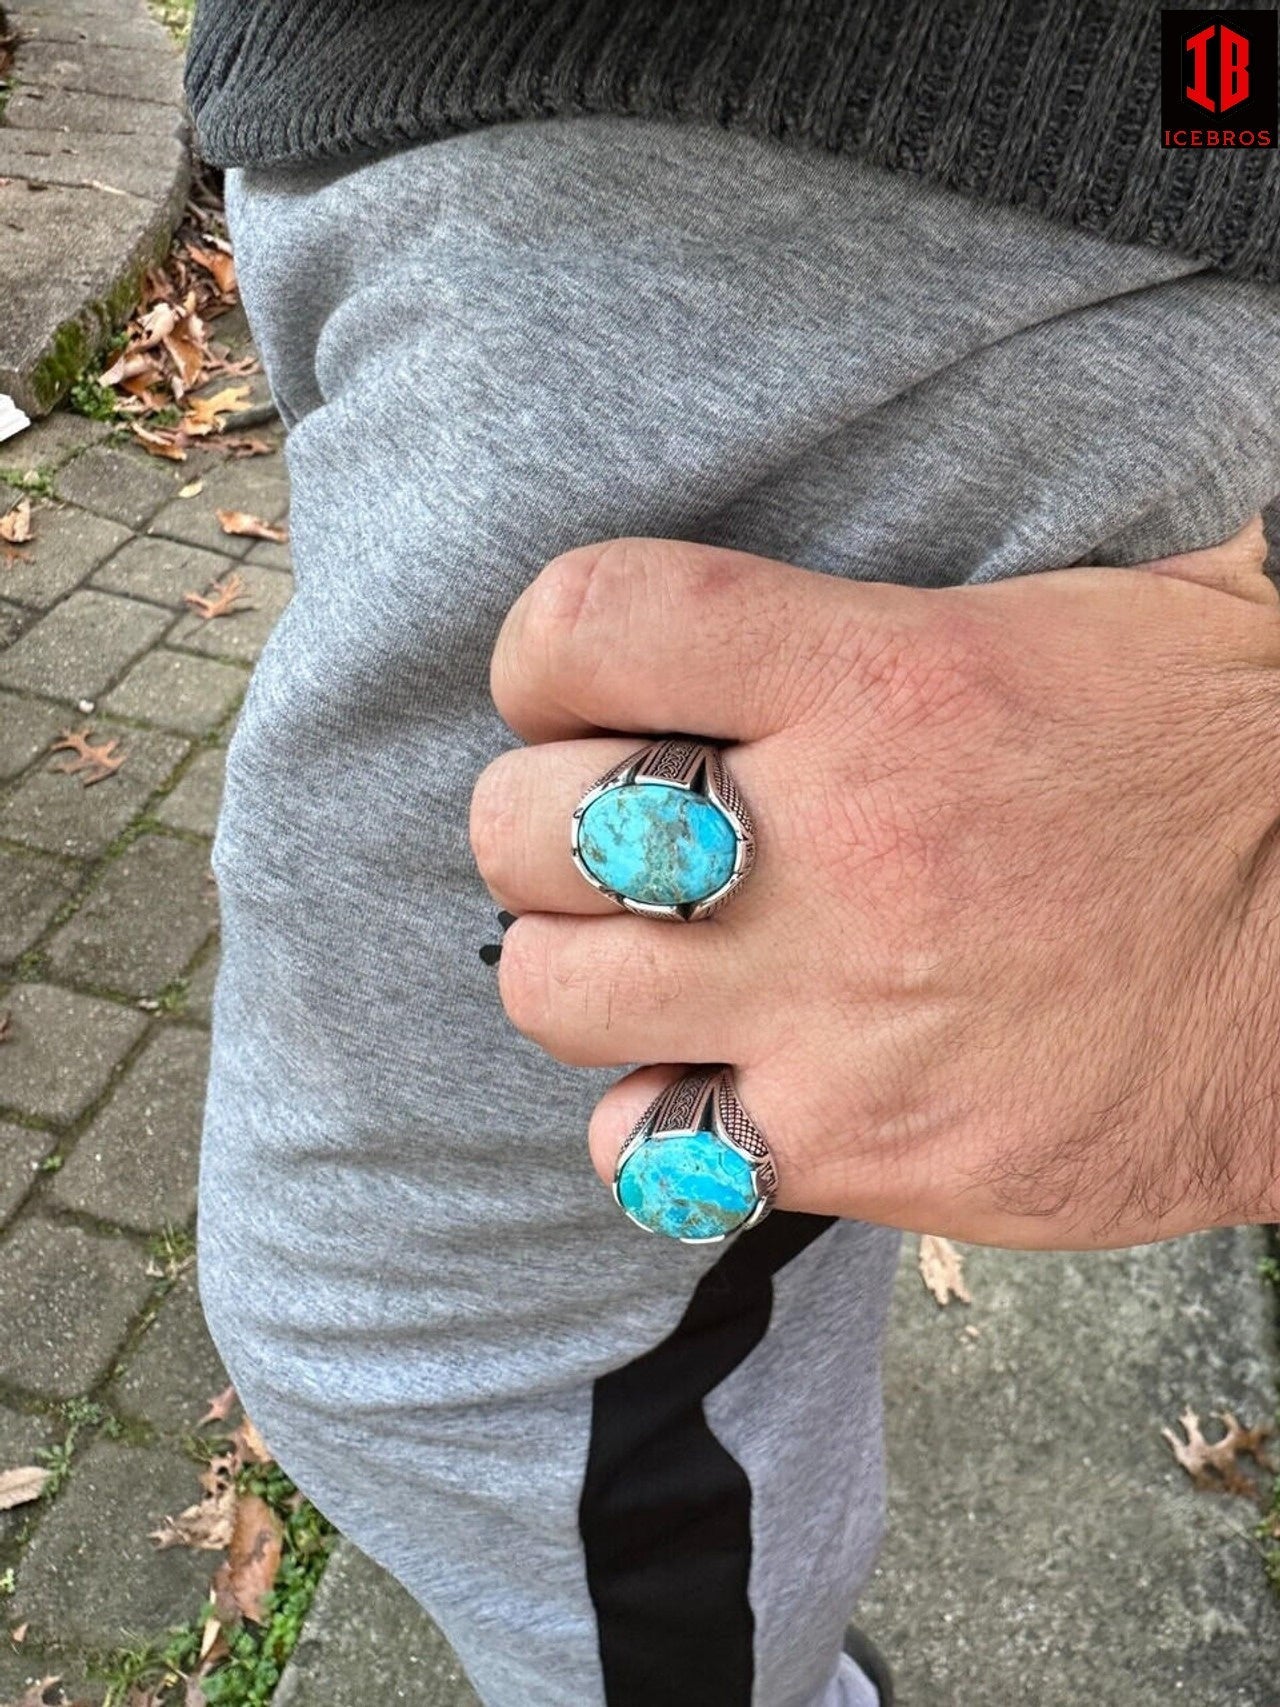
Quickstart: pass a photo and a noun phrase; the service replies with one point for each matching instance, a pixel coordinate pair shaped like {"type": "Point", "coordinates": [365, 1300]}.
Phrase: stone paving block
{"type": "Point", "coordinates": [82, 645]}
{"type": "Point", "coordinates": [21, 1152]}
{"type": "Point", "coordinates": [56, 812]}
{"type": "Point", "coordinates": [200, 985]}
{"type": "Point", "coordinates": [61, 1050]}
{"type": "Point", "coordinates": [49, 443]}
{"type": "Point", "coordinates": [162, 570]}
{"type": "Point", "coordinates": [123, 73]}
{"type": "Point", "coordinates": [143, 922]}
{"type": "Point", "coordinates": [57, 157]}
{"type": "Point", "coordinates": [91, 1575]}
{"type": "Point", "coordinates": [136, 1163]}
{"type": "Point", "coordinates": [176, 1370]}
{"type": "Point", "coordinates": [257, 484]}
{"type": "Point", "coordinates": [127, 485]}
{"type": "Point", "coordinates": [67, 545]}
{"type": "Point", "coordinates": [367, 1640]}
{"type": "Point", "coordinates": [178, 691]}
{"type": "Point", "coordinates": [243, 634]}
{"type": "Point", "coordinates": [21, 1438]}
{"type": "Point", "coordinates": [32, 888]}
{"type": "Point", "coordinates": [1043, 1545]}
{"type": "Point", "coordinates": [194, 803]}
{"type": "Point", "coordinates": [81, 113]}
{"type": "Point", "coordinates": [111, 27]}
{"type": "Point", "coordinates": [271, 556]}
{"type": "Point", "coordinates": [14, 620]}
{"type": "Point", "coordinates": [67, 1298]}
{"type": "Point", "coordinates": [27, 726]}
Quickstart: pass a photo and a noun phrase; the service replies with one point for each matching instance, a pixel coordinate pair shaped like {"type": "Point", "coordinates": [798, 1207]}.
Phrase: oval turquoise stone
{"type": "Point", "coordinates": [688, 1186]}
{"type": "Point", "coordinates": [652, 842]}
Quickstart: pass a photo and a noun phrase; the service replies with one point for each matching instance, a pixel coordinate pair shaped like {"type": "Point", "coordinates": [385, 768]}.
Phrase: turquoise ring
{"type": "Point", "coordinates": [665, 833]}
{"type": "Point", "coordinates": [695, 1166]}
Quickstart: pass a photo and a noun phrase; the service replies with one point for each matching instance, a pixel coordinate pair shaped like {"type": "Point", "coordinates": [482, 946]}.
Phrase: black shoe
{"type": "Point", "coordinates": [864, 1653]}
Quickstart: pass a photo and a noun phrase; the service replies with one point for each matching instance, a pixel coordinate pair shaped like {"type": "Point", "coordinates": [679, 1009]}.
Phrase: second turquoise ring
{"type": "Point", "coordinates": [665, 833]}
{"type": "Point", "coordinates": [695, 1166]}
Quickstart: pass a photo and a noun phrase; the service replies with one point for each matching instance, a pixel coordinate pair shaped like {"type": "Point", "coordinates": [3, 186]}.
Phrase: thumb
{"type": "Point", "coordinates": [1237, 566]}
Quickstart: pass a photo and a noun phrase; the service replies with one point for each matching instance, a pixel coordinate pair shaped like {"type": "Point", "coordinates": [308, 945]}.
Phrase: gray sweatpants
{"type": "Point", "coordinates": [620, 1472]}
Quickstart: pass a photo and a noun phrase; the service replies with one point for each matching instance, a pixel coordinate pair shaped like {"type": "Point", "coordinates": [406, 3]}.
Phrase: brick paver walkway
{"type": "Point", "coordinates": [108, 948]}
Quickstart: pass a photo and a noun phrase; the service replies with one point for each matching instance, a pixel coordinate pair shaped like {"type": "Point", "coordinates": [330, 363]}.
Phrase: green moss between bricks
{"type": "Point", "coordinates": [77, 343]}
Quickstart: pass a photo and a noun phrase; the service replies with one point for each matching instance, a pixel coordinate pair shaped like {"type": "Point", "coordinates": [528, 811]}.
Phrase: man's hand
{"type": "Point", "coordinates": [1008, 965]}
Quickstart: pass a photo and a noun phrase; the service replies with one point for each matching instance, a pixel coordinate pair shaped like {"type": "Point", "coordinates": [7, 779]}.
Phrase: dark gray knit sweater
{"type": "Point", "coordinates": [1050, 103]}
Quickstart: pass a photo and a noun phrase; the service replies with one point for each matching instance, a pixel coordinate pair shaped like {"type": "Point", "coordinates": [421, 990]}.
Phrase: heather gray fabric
{"type": "Point", "coordinates": [489, 349]}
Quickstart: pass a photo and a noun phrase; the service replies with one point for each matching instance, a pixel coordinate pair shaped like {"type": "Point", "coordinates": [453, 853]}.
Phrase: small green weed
{"type": "Point", "coordinates": [36, 481]}
{"type": "Point", "coordinates": [171, 1252]}
{"type": "Point", "coordinates": [89, 398]}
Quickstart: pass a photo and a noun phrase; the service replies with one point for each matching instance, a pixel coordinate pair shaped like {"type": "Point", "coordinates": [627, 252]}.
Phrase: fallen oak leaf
{"type": "Point", "coordinates": [254, 1555]}
{"type": "Point", "coordinates": [21, 1486]}
{"type": "Point", "coordinates": [154, 327]}
{"type": "Point", "coordinates": [164, 441]}
{"type": "Point", "coordinates": [208, 1525]}
{"type": "Point", "coordinates": [223, 598]}
{"type": "Point", "coordinates": [222, 267]}
{"type": "Point", "coordinates": [239, 447]}
{"type": "Point", "coordinates": [15, 525]}
{"type": "Point", "coordinates": [220, 1406]}
{"type": "Point", "coordinates": [1216, 1464]}
{"type": "Point", "coordinates": [220, 1471]}
{"type": "Point", "coordinates": [186, 346]}
{"type": "Point", "coordinates": [250, 1445]}
{"type": "Point", "coordinates": [92, 764]}
{"type": "Point", "coordinates": [204, 414]}
{"type": "Point", "coordinates": [132, 365]}
{"type": "Point", "coordinates": [941, 1268]}
{"type": "Point", "coordinates": [253, 527]}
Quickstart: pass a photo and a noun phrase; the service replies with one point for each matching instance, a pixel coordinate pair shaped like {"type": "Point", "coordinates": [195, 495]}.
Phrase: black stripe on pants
{"type": "Point", "coordinates": [665, 1514]}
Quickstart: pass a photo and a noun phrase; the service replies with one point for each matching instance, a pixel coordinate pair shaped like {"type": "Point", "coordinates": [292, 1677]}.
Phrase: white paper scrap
{"type": "Point", "coordinates": [12, 420]}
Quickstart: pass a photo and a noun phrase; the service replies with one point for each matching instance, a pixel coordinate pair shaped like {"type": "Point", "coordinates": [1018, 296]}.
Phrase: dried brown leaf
{"type": "Point", "coordinates": [239, 446]}
{"type": "Point", "coordinates": [21, 1486]}
{"type": "Point", "coordinates": [169, 442]}
{"type": "Point", "coordinates": [223, 598]}
{"type": "Point", "coordinates": [220, 1406]}
{"type": "Point", "coordinates": [250, 1445]}
{"type": "Point", "coordinates": [91, 764]}
{"type": "Point", "coordinates": [155, 326]}
{"type": "Point", "coordinates": [240, 522]}
{"type": "Point", "coordinates": [207, 1525]}
{"type": "Point", "coordinates": [254, 1555]}
{"type": "Point", "coordinates": [186, 347]}
{"type": "Point", "coordinates": [15, 526]}
{"type": "Point", "coordinates": [941, 1268]}
{"type": "Point", "coordinates": [1216, 1464]}
{"type": "Point", "coordinates": [204, 414]}
{"type": "Point", "coordinates": [220, 265]}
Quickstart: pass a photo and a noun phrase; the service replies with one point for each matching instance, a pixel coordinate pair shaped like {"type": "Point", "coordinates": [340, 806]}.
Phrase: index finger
{"type": "Point", "coordinates": [655, 635]}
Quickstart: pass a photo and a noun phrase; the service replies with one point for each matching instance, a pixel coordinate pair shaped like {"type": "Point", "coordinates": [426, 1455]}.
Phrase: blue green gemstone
{"type": "Point", "coordinates": [653, 842]}
{"type": "Point", "coordinates": [688, 1185]}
